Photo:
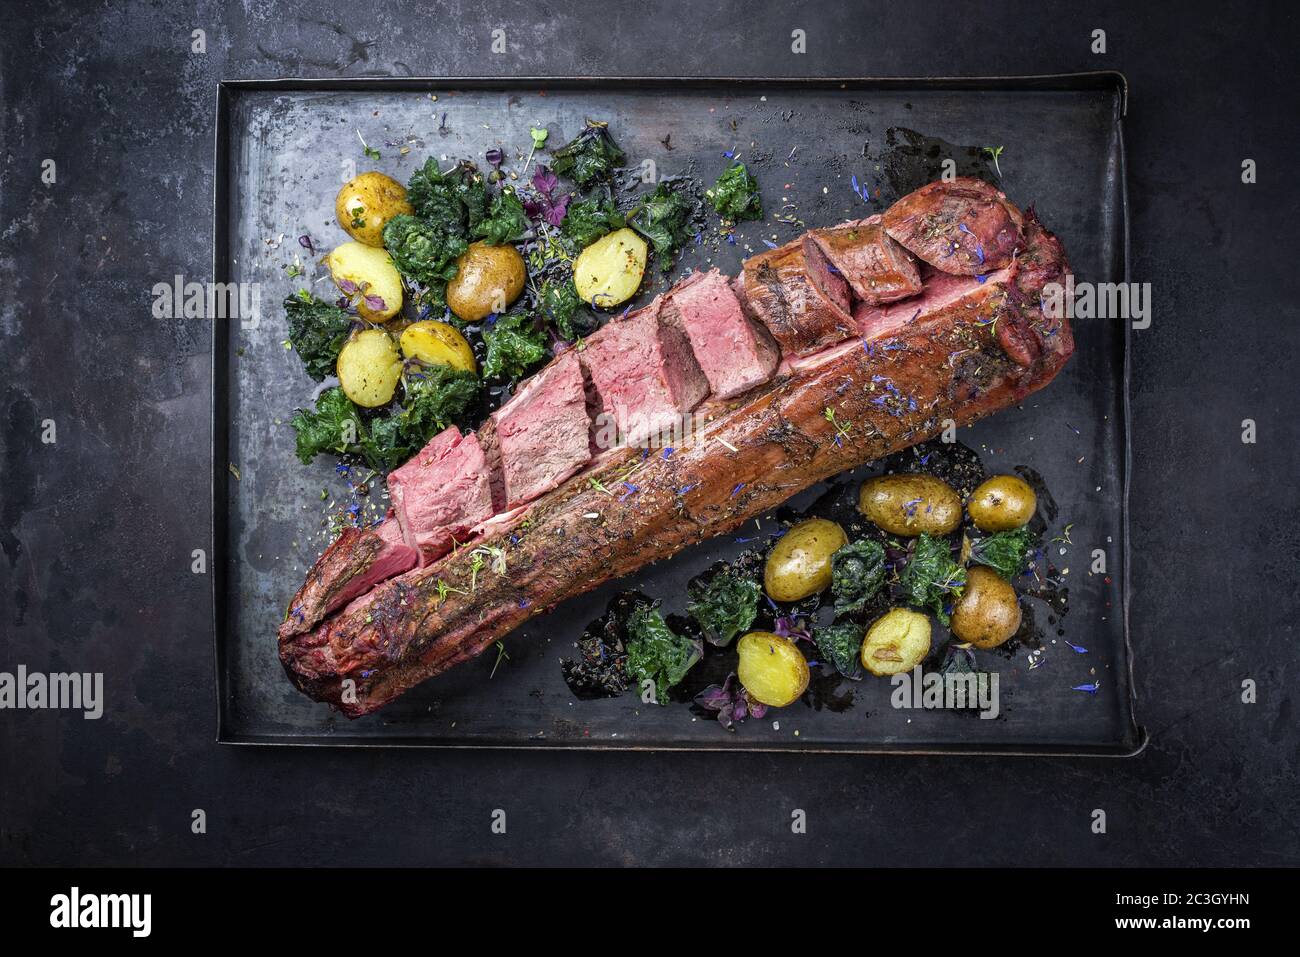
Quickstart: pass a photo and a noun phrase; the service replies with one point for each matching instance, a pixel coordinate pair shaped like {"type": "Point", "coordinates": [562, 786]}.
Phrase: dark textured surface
{"type": "Point", "coordinates": [96, 530]}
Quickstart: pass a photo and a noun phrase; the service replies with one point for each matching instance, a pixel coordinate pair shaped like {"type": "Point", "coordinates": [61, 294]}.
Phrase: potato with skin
{"type": "Point", "coordinates": [1002, 503]}
{"type": "Point", "coordinates": [897, 641]}
{"type": "Point", "coordinates": [488, 279]}
{"type": "Point", "coordinates": [366, 203]}
{"type": "Point", "coordinates": [988, 612]}
{"type": "Point", "coordinates": [799, 564]}
{"type": "Point", "coordinates": [772, 669]}
{"type": "Point", "coordinates": [437, 344]}
{"type": "Point", "coordinates": [608, 272]}
{"type": "Point", "coordinates": [369, 368]}
{"type": "Point", "coordinates": [367, 276]}
{"type": "Point", "coordinates": [909, 504]}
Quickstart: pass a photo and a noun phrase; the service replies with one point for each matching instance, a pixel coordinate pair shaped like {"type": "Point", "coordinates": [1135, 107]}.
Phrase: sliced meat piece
{"type": "Point", "coordinates": [441, 493]}
{"type": "Point", "coordinates": [793, 291]}
{"type": "Point", "coordinates": [355, 562]}
{"type": "Point", "coordinates": [965, 227]}
{"type": "Point", "coordinates": [544, 432]}
{"type": "Point", "coordinates": [876, 267]}
{"type": "Point", "coordinates": [942, 292]}
{"type": "Point", "coordinates": [734, 352]}
{"type": "Point", "coordinates": [491, 446]}
{"type": "Point", "coordinates": [644, 375]}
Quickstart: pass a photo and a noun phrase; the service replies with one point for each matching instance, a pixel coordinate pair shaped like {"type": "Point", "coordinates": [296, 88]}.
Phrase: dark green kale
{"type": "Point", "coordinates": [657, 653]}
{"type": "Point", "coordinates": [857, 573]}
{"type": "Point", "coordinates": [590, 157]}
{"type": "Point", "coordinates": [515, 344]}
{"type": "Point", "coordinates": [1004, 552]}
{"type": "Point", "coordinates": [667, 219]}
{"type": "Point", "coordinates": [317, 331]}
{"type": "Point", "coordinates": [437, 198]}
{"type": "Point", "coordinates": [504, 222]}
{"type": "Point", "coordinates": [561, 306]}
{"type": "Point", "coordinates": [724, 604]}
{"type": "Point", "coordinates": [436, 397]}
{"type": "Point", "coordinates": [587, 220]}
{"type": "Point", "coordinates": [334, 427]}
{"type": "Point", "coordinates": [841, 645]}
{"type": "Point", "coordinates": [931, 577]}
{"type": "Point", "coordinates": [384, 445]}
{"type": "Point", "coordinates": [735, 194]}
{"type": "Point", "coordinates": [422, 252]}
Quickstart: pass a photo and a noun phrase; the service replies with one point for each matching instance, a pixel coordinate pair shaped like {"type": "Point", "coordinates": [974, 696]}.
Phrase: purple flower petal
{"type": "Point", "coordinates": [348, 286]}
{"type": "Point", "coordinates": [376, 303]}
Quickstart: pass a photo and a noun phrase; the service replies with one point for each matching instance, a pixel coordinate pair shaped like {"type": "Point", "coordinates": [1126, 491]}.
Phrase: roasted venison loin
{"type": "Point", "coordinates": [491, 528]}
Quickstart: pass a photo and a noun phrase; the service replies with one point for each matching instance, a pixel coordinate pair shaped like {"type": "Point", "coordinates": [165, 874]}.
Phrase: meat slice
{"type": "Point", "coordinates": [543, 432]}
{"type": "Point", "coordinates": [644, 376]}
{"type": "Point", "coordinates": [874, 265]}
{"type": "Point", "coordinates": [803, 302]}
{"type": "Point", "coordinates": [965, 227]}
{"type": "Point", "coordinates": [441, 493]}
{"type": "Point", "coordinates": [355, 562]}
{"type": "Point", "coordinates": [942, 292]}
{"type": "Point", "coordinates": [734, 352]}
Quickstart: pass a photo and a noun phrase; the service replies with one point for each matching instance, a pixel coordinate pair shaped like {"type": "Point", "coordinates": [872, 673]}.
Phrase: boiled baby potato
{"type": "Point", "coordinates": [368, 277]}
{"type": "Point", "coordinates": [908, 504]}
{"type": "Point", "coordinates": [772, 669]}
{"type": "Point", "coordinates": [898, 641]}
{"type": "Point", "coordinates": [368, 368]}
{"type": "Point", "coordinates": [799, 564]}
{"type": "Point", "coordinates": [1002, 503]}
{"type": "Point", "coordinates": [988, 613]}
{"type": "Point", "coordinates": [488, 279]}
{"type": "Point", "coordinates": [366, 203]}
{"type": "Point", "coordinates": [609, 271]}
{"type": "Point", "coordinates": [437, 344]}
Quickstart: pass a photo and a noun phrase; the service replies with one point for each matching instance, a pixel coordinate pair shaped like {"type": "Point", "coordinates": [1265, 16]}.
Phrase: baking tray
{"type": "Point", "coordinates": [280, 150]}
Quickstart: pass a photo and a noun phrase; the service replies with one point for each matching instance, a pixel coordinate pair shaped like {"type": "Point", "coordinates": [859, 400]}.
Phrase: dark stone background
{"type": "Point", "coordinates": [96, 530]}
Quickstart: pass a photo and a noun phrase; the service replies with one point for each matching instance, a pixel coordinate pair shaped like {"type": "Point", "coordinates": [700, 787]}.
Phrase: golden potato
{"type": "Point", "coordinates": [488, 279]}
{"type": "Point", "coordinates": [368, 277]}
{"type": "Point", "coordinates": [1002, 503]}
{"type": "Point", "coordinates": [772, 669]}
{"type": "Point", "coordinates": [897, 641]}
{"type": "Point", "coordinates": [437, 343]}
{"type": "Point", "coordinates": [366, 203]}
{"type": "Point", "coordinates": [609, 271]}
{"type": "Point", "coordinates": [369, 367]}
{"type": "Point", "coordinates": [909, 504]}
{"type": "Point", "coordinates": [988, 612]}
{"type": "Point", "coordinates": [799, 564]}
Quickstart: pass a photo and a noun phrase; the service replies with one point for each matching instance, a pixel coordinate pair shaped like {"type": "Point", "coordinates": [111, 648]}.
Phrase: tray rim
{"type": "Point", "coordinates": [1104, 80]}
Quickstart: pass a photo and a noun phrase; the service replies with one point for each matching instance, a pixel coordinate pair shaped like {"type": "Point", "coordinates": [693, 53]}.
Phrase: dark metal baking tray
{"type": "Point", "coordinates": [280, 146]}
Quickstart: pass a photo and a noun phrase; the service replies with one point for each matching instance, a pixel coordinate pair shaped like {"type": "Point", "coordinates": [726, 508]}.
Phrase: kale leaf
{"type": "Point", "coordinates": [317, 331]}
{"type": "Point", "coordinates": [735, 194]}
{"type": "Point", "coordinates": [589, 219]}
{"type": "Point", "coordinates": [561, 306]}
{"type": "Point", "coordinates": [515, 343]}
{"type": "Point", "coordinates": [657, 653]}
{"type": "Point", "coordinates": [931, 576]}
{"type": "Point", "coordinates": [724, 604]}
{"type": "Point", "coordinates": [503, 222]}
{"type": "Point", "coordinates": [436, 397]}
{"type": "Point", "coordinates": [589, 157]}
{"type": "Point", "coordinates": [335, 426]}
{"type": "Point", "coordinates": [423, 252]}
{"type": "Point", "coordinates": [666, 218]}
{"type": "Point", "coordinates": [439, 198]}
{"type": "Point", "coordinates": [857, 572]}
{"type": "Point", "coordinates": [841, 644]}
{"type": "Point", "coordinates": [1004, 552]}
